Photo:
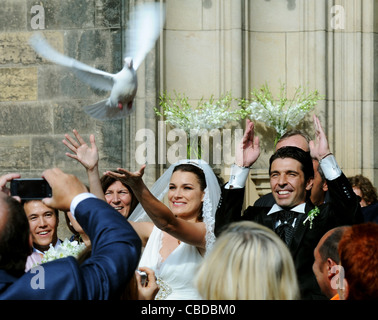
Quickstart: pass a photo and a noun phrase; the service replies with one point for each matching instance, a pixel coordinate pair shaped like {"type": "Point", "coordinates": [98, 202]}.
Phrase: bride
{"type": "Point", "coordinates": [176, 237]}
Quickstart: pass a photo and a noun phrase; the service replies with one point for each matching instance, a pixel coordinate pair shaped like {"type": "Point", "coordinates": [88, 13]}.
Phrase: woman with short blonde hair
{"type": "Point", "coordinates": [248, 262]}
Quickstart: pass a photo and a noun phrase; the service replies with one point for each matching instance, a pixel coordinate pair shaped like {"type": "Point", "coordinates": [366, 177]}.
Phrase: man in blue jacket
{"type": "Point", "coordinates": [115, 247]}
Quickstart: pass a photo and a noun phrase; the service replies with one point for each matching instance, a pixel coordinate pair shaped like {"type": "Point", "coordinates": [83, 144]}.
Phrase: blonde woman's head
{"type": "Point", "coordinates": [248, 261]}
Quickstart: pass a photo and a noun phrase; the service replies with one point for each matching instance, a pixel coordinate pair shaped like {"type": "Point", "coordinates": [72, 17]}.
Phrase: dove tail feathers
{"type": "Point", "coordinates": [104, 111]}
{"type": "Point", "coordinates": [98, 110]}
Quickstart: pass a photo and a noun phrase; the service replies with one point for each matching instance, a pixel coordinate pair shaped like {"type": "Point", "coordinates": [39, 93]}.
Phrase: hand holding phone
{"type": "Point", "coordinates": [5, 179]}
{"type": "Point", "coordinates": [64, 186]}
{"type": "Point", "coordinates": [147, 285]}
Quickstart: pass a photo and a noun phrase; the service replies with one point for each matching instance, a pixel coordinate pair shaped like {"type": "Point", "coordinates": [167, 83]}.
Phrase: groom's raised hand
{"type": "Point", "coordinates": [248, 150]}
{"type": "Point", "coordinates": [319, 147]}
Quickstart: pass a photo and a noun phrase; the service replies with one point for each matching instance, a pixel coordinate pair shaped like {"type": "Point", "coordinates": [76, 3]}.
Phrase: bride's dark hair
{"type": "Point", "coordinates": [186, 167]}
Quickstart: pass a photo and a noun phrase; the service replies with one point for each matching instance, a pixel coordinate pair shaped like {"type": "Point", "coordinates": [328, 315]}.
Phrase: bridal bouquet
{"type": "Point", "coordinates": [280, 113]}
{"type": "Point", "coordinates": [212, 114]}
{"type": "Point", "coordinates": [66, 249]}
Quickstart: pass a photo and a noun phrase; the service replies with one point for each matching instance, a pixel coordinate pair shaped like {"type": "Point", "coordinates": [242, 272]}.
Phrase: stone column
{"type": "Point", "coordinates": [352, 85]}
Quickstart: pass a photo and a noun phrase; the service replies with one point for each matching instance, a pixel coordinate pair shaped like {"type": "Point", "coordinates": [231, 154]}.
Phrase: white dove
{"type": "Point", "coordinates": [144, 29]}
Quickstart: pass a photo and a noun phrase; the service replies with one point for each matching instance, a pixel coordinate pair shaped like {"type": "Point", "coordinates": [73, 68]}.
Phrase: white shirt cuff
{"type": "Point", "coordinates": [80, 197]}
{"type": "Point", "coordinates": [330, 167]}
{"type": "Point", "coordinates": [238, 177]}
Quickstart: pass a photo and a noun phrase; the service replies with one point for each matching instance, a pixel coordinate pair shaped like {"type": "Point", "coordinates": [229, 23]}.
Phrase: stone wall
{"type": "Point", "coordinates": [39, 101]}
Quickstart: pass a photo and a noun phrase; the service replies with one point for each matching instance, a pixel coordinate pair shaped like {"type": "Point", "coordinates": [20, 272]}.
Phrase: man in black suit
{"type": "Point", "coordinates": [291, 177]}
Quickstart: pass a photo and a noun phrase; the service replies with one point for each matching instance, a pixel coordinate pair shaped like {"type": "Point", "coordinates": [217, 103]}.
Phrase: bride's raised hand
{"type": "Point", "coordinates": [133, 179]}
{"type": "Point", "coordinates": [82, 152]}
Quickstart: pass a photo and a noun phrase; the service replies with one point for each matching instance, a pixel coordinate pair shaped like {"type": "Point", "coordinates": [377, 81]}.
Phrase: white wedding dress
{"type": "Point", "coordinates": [175, 275]}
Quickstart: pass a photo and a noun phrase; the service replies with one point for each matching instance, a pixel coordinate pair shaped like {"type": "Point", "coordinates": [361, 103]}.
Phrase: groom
{"type": "Point", "coordinates": [291, 177]}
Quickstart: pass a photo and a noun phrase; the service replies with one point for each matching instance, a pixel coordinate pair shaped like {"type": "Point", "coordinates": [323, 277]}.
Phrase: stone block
{"type": "Point", "coordinates": [14, 154]}
{"type": "Point", "coordinates": [111, 143]}
{"type": "Point", "coordinates": [108, 13]}
{"type": "Point", "coordinates": [18, 84]}
{"type": "Point", "coordinates": [15, 49]}
{"type": "Point", "coordinates": [347, 66]}
{"type": "Point", "coordinates": [184, 15]}
{"type": "Point", "coordinates": [221, 15]}
{"type": "Point", "coordinates": [305, 60]}
{"type": "Point", "coordinates": [270, 48]}
{"type": "Point", "coordinates": [89, 46]}
{"type": "Point", "coordinates": [55, 82]}
{"type": "Point", "coordinates": [69, 115]}
{"type": "Point", "coordinates": [193, 65]}
{"type": "Point", "coordinates": [44, 151]}
{"type": "Point", "coordinates": [375, 67]}
{"type": "Point", "coordinates": [68, 14]}
{"type": "Point", "coordinates": [348, 148]}
{"type": "Point", "coordinates": [13, 15]}
{"type": "Point", "coordinates": [274, 16]}
{"type": "Point", "coordinates": [25, 118]}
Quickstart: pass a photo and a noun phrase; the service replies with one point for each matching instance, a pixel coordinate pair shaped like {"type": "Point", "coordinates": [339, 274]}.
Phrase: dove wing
{"type": "Point", "coordinates": [144, 29]}
{"type": "Point", "coordinates": [96, 78]}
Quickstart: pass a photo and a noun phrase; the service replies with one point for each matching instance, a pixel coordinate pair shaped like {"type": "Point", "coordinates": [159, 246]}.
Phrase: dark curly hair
{"type": "Point", "coordinates": [369, 192]}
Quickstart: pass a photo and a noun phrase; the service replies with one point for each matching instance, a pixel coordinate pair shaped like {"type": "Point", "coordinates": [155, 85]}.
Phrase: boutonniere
{"type": "Point", "coordinates": [311, 215]}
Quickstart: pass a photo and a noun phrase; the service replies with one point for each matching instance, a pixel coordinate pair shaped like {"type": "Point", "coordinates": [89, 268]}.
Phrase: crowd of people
{"type": "Point", "coordinates": [310, 238]}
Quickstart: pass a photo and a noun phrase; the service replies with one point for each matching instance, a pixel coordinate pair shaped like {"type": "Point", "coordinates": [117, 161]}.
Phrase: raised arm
{"type": "Point", "coordinates": [319, 147]}
{"type": "Point", "coordinates": [160, 214]}
{"type": "Point", "coordinates": [230, 207]}
{"type": "Point", "coordinates": [88, 157]}
{"type": "Point", "coordinates": [341, 196]}
{"type": "Point", "coordinates": [248, 150]}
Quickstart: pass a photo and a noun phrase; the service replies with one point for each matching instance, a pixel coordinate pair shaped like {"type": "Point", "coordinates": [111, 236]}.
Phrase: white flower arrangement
{"type": "Point", "coordinates": [207, 115]}
{"type": "Point", "coordinates": [67, 248]}
{"type": "Point", "coordinates": [282, 113]}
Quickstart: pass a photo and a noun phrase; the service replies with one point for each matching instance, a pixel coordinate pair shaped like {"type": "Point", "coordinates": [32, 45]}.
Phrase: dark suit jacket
{"type": "Point", "coordinates": [115, 255]}
{"type": "Point", "coordinates": [343, 209]}
{"type": "Point", "coordinates": [370, 212]}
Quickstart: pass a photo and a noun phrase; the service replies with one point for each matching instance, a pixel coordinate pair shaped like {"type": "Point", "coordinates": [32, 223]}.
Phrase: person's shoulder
{"type": "Point", "coordinates": [370, 212]}
{"type": "Point", "coordinates": [55, 280]}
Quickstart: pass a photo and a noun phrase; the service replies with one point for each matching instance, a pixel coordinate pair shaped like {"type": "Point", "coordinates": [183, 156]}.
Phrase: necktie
{"type": "Point", "coordinates": [285, 230]}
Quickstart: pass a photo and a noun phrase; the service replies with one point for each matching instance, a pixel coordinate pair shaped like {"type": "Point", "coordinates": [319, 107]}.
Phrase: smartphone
{"type": "Point", "coordinates": [143, 276]}
{"type": "Point", "coordinates": [30, 189]}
